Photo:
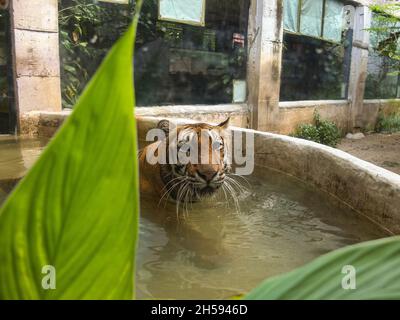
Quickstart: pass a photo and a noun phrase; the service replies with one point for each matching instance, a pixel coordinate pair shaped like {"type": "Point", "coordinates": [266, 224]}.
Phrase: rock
{"type": "Point", "coordinates": [355, 136]}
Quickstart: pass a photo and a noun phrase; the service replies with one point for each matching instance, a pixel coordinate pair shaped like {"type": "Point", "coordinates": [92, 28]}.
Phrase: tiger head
{"type": "Point", "coordinates": [202, 160]}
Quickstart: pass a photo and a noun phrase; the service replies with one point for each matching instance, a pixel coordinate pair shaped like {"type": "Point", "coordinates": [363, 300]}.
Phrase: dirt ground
{"type": "Point", "coordinates": [380, 149]}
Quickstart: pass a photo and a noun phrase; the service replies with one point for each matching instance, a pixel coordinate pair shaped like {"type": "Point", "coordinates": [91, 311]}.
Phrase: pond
{"type": "Point", "coordinates": [217, 251]}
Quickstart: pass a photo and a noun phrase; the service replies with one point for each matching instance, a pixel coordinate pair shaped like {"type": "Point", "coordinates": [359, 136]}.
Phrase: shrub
{"type": "Point", "coordinates": [322, 131]}
{"type": "Point", "coordinates": [389, 119]}
{"type": "Point", "coordinates": [388, 124]}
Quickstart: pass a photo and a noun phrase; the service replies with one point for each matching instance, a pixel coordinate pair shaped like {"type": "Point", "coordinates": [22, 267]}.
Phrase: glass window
{"type": "Point", "coordinates": [291, 11]}
{"type": "Point", "coordinates": [382, 79]}
{"type": "Point", "coordinates": [317, 18]}
{"type": "Point", "coordinates": [312, 69]}
{"type": "Point", "coordinates": [180, 63]}
{"type": "Point", "coordinates": [88, 29]}
{"type": "Point", "coordinates": [200, 59]}
{"type": "Point", "coordinates": [332, 29]}
{"type": "Point", "coordinates": [5, 73]}
{"type": "Point", "coordinates": [311, 17]}
{"type": "Point", "coordinates": [183, 11]}
{"type": "Point", "coordinates": [314, 65]}
{"type": "Point", "coordinates": [382, 74]}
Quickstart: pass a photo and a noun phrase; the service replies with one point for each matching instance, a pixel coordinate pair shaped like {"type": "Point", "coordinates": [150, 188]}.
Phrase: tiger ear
{"type": "Point", "coordinates": [164, 125]}
{"type": "Point", "coordinates": [225, 124]}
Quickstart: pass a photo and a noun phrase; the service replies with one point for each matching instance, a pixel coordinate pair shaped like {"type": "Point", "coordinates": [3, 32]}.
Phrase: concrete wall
{"type": "Point", "coordinates": [46, 123]}
{"type": "Point", "coordinates": [292, 114]}
{"type": "Point", "coordinates": [358, 68]}
{"type": "Point", "coordinates": [34, 33]}
{"type": "Point", "coordinates": [373, 108]}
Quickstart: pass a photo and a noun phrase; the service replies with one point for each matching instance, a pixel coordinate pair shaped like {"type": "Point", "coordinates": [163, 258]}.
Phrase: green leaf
{"type": "Point", "coordinates": [77, 208]}
{"type": "Point", "coordinates": [377, 266]}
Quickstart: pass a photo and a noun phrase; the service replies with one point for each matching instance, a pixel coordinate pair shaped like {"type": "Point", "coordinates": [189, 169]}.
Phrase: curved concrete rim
{"type": "Point", "coordinates": [370, 190]}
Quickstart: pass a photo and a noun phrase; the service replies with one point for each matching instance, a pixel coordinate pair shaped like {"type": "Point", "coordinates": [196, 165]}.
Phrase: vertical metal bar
{"type": "Point", "coordinates": [323, 18]}
{"type": "Point", "coordinates": [10, 73]}
{"type": "Point", "coordinates": [299, 5]}
{"type": "Point", "coordinates": [11, 114]}
{"type": "Point", "coordinates": [12, 119]}
{"type": "Point", "coordinates": [347, 59]}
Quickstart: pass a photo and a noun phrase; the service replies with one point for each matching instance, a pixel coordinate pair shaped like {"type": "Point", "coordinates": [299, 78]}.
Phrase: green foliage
{"type": "Point", "coordinates": [377, 266]}
{"type": "Point", "coordinates": [389, 122]}
{"type": "Point", "coordinates": [307, 132]}
{"type": "Point", "coordinates": [322, 131]}
{"type": "Point", "coordinates": [77, 208]}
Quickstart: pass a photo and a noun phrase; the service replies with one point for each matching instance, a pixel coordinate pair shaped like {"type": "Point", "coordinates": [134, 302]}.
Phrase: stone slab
{"type": "Point", "coordinates": [39, 15]}
{"type": "Point", "coordinates": [36, 54]}
{"type": "Point", "coordinates": [38, 93]}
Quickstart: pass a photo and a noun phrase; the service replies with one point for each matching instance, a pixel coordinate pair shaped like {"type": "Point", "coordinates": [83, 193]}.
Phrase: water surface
{"type": "Point", "coordinates": [216, 252]}
{"type": "Point", "coordinates": [17, 155]}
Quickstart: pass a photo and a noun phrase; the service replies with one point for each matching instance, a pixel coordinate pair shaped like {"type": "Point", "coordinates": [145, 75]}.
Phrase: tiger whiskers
{"type": "Point", "coordinates": [186, 191]}
{"type": "Point", "coordinates": [241, 177]}
{"type": "Point", "coordinates": [169, 188]}
{"type": "Point", "coordinates": [225, 195]}
{"type": "Point", "coordinates": [232, 188]}
{"type": "Point", "coordinates": [232, 192]}
{"type": "Point", "coordinates": [182, 195]}
{"type": "Point", "coordinates": [235, 183]}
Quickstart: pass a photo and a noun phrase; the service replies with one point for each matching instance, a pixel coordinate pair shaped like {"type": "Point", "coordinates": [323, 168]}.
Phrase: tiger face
{"type": "Point", "coordinates": [202, 160]}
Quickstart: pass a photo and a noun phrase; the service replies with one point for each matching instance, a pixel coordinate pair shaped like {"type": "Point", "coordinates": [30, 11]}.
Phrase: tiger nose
{"type": "Point", "coordinates": [208, 175]}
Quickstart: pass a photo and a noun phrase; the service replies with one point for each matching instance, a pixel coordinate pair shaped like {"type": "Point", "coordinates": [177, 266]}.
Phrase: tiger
{"type": "Point", "coordinates": [192, 181]}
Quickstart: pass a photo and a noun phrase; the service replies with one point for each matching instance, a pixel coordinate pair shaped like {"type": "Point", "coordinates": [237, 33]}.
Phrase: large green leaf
{"type": "Point", "coordinates": [377, 266]}
{"type": "Point", "coordinates": [77, 208]}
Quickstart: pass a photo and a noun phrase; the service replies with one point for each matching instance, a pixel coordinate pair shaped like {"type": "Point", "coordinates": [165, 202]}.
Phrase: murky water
{"type": "Point", "coordinates": [17, 155]}
{"type": "Point", "coordinates": [217, 252]}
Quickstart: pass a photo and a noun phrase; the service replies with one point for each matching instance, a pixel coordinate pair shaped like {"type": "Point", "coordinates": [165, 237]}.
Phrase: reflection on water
{"type": "Point", "coordinates": [218, 253]}
{"type": "Point", "coordinates": [17, 155]}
